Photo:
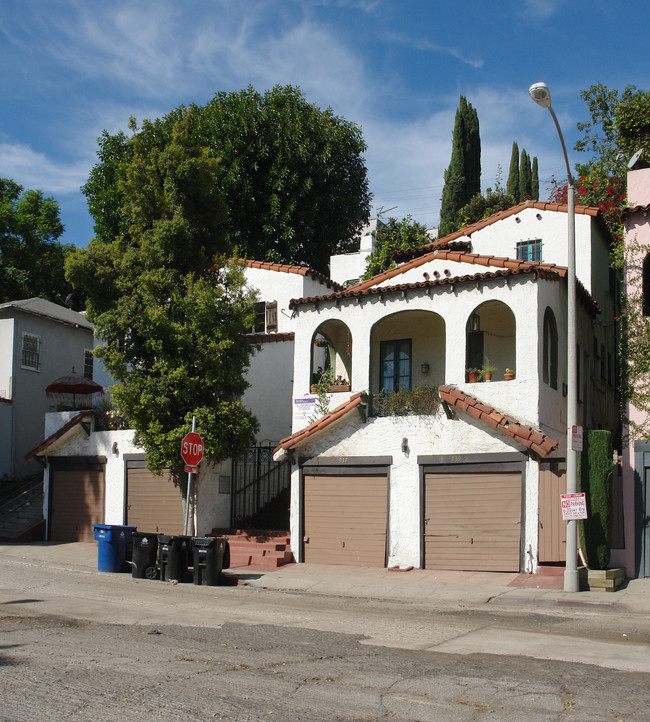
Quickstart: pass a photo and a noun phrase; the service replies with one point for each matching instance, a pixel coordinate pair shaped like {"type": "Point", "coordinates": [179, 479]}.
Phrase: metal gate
{"type": "Point", "coordinates": [260, 490]}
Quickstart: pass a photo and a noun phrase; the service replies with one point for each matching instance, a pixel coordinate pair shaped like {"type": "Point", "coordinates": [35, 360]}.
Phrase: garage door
{"type": "Point", "coordinates": [153, 503]}
{"type": "Point", "coordinates": [472, 521]}
{"type": "Point", "coordinates": [76, 503]}
{"type": "Point", "coordinates": [345, 520]}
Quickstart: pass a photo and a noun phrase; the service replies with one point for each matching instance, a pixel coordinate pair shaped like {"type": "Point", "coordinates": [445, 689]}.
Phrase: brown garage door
{"type": "Point", "coordinates": [552, 529]}
{"type": "Point", "coordinates": [472, 521]}
{"type": "Point", "coordinates": [345, 520]}
{"type": "Point", "coordinates": [153, 503]}
{"type": "Point", "coordinates": [76, 503]}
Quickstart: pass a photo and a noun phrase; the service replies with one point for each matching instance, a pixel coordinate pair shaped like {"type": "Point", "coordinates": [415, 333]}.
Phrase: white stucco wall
{"type": "Point", "coordinates": [269, 395]}
{"type": "Point", "coordinates": [280, 286]}
{"type": "Point", "coordinates": [6, 357]}
{"type": "Point", "coordinates": [500, 239]}
{"type": "Point", "coordinates": [454, 305]}
{"type": "Point", "coordinates": [212, 508]}
{"type": "Point", "coordinates": [99, 443]}
{"type": "Point", "coordinates": [346, 267]}
{"type": "Point", "coordinates": [427, 436]}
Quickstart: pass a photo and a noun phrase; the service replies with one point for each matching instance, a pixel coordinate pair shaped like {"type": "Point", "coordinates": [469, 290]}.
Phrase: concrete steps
{"type": "Point", "coordinates": [22, 518]}
{"type": "Point", "coordinates": [257, 547]}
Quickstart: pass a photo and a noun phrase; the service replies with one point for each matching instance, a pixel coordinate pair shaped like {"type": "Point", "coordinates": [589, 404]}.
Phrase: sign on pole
{"type": "Point", "coordinates": [192, 451]}
{"type": "Point", "coordinates": [576, 438]}
{"type": "Point", "coordinates": [574, 506]}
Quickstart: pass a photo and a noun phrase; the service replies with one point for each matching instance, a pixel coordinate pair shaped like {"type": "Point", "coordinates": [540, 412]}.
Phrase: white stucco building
{"type": "Point", "coordinates": [472, 480]}
{"type": "Point", "coordinates": [466, 487]}
{"type": "Point", "coordinates": [93, 476]}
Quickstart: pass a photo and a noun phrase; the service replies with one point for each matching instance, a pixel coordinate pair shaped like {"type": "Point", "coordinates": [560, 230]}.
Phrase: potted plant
{"type": "Point", "coordinates": [487, 369]}
{"type": "Point", "coordinates": [509, 374]}
{"type": "Point", "coordinates": [473, 375]}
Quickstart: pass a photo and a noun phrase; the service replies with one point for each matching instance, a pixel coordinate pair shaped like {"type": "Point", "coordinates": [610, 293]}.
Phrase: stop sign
{"type": "Point", "coordinates": [192, 449]}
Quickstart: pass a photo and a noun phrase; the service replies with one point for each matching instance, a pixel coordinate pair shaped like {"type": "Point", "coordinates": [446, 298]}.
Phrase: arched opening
{"type": "Point", "coordinates": [490, 335]}
{"type": "Point", "coordinates": [549, 350]}
{"type": "Point", "coordinates": [407, 351]}
{"type": "Point", "coordinates": [331, 357]}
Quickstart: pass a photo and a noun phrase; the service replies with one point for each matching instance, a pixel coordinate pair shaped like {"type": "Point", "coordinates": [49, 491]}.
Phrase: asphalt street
{"type": "Point", "coordinates": [78, 644]}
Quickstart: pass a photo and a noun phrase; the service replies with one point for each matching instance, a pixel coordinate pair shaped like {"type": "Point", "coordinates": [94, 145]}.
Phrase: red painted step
{"type": "Point", "coordinates": [257, 547]}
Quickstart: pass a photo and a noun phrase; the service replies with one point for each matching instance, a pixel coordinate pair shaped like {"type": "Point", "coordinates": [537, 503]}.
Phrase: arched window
{"type": "Point", "coordinates": [332, 355]}
{"type": "Point", "coordinates": [549, 353]}
{"type": "Point", "coordinates": [491, 339]}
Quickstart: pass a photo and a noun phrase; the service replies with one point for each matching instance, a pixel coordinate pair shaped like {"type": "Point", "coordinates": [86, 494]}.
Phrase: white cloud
{"type": "Point", "coordinates": [35, 170]}
{"type": "Point", "coordinates": [427, 45]}
{"type": "Point", "coordinates": [538, 9]}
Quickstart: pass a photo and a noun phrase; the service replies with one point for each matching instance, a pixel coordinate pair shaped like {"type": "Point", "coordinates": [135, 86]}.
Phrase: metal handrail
{"type": "Point", "coordinates": [22, 496]}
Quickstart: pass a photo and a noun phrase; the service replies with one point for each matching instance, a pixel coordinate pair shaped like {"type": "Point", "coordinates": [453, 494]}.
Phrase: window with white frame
{"type": "Point", "coordinates": [31, 352]}
{"type": "Point", "coordinates": [529, 250]}
{"type": "Point", "coordinates": [88, 364]}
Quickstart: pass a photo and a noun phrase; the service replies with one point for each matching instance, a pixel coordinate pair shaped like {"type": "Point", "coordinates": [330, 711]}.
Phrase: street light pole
{"type": "Point", "coordinates": [540, 93]}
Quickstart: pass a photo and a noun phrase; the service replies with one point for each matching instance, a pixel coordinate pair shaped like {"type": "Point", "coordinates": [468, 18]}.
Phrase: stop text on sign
{"type": "Point", "coordinates": [192, 449]}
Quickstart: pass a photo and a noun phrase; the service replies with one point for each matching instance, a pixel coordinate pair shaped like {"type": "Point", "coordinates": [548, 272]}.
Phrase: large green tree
{"type": "Point", "coordinates": [394, 236]}
{"type": "Point", "coordinates": [619, 125]}
{"type": "Point", "coordinates": [294, 180]}
{"type": "Point", "coordinates": [31, 257]}
{"type": "Point", "coordinates": [169, 309]}
{"type": "Point", "coordinates": [463, 176]}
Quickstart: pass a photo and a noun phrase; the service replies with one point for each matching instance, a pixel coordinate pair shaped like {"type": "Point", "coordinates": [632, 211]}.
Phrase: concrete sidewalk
{"type": "Point", "coordinates": [417, 585]}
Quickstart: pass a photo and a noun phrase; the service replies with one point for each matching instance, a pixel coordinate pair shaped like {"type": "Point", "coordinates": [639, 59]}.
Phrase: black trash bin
{"type": "Point", "coordinates": [173, 557]}
{"type": "Point", "coordinates": [145, 551]}
{"type": "Point", "coordinates": [208, 559]}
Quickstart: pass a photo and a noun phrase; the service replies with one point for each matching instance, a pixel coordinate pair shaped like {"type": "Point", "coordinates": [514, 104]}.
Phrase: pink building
{"type": "Point", "coordinates": [635, 557]}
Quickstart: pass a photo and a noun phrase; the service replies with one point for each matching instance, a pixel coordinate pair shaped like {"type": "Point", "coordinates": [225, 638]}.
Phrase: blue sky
{"type": "Point", "coordinates": [71, 68]}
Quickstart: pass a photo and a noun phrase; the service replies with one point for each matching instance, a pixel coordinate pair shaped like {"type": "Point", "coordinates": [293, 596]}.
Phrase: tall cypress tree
{"type": "Point", "coordinates": [525, 176]}
{"type": "Point", "coordinates": [463, 176]}
{"type": "Point", "coordinates": [512, 186]}
{"type": "Point", "coordinates": [535, 181]}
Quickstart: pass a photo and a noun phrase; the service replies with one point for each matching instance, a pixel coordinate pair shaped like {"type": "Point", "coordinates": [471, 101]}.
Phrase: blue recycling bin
{"type": "Point", "coordinates": [112, 541]}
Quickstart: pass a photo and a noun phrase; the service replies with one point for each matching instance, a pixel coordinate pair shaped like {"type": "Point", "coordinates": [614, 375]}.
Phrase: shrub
{"type": "Point", "coordinates": [595, 468]}
{"type": "Point", "coordinates": [420, 401]}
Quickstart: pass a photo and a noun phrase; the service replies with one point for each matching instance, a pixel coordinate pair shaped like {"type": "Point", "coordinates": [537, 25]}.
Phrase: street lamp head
{"type": "Point", "coordinates": [540, 93]}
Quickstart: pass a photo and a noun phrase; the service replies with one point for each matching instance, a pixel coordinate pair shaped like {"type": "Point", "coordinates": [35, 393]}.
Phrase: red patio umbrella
{"type": "Point", "coordinates": [73, 384]}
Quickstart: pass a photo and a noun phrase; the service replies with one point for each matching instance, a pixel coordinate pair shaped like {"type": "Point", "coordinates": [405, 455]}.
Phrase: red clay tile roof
{"type": "Point", "coordinates": [318, 425]}
{"type": "Point", "coordinates": [58, 434]}
{"type": "Point", "coordinates": [633, 209]}
{"type": "Point", "coordinates": [506, 266]}
{"type": "Point", "coordinates": [270, 337]}
{"type": "Point", "coordinates": [399, 256]}
{"type": "Point", "coordinates": [300, 270]}
{"type": "Point", "coordinates": [534, 440]}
